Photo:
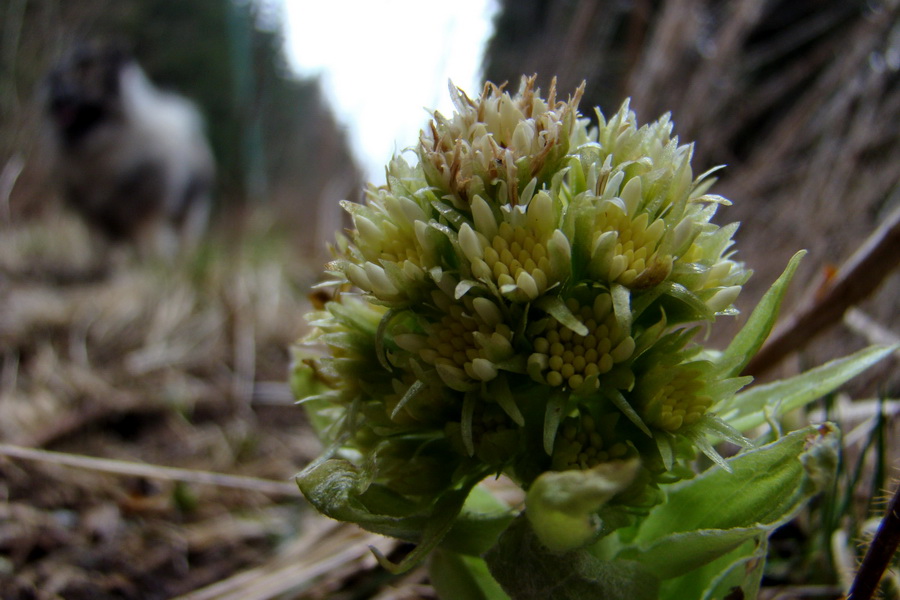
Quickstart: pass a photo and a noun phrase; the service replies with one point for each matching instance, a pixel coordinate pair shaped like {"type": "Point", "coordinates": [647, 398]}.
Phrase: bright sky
{"type": "Point", "coordinates": [383, 62]}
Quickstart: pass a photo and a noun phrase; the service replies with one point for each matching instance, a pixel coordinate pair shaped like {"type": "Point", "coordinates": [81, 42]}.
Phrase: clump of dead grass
{"type": "Point", "coordinates": [110, 367]}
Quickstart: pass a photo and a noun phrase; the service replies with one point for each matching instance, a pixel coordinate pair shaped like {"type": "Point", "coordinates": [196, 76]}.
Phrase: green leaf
{"type": "Point", "coordinates": [753, 406]}
{"type": "Point", "coordinates": [458, 577]}
{"type": "Point", "coordinates": [527, 569]}
{"type": "Point", "coordinates": [765, 483]}
{"type": "Point", "coordinates": [752, 335]}
{"type": "Point", "coordinates": [482, 520]}
{"type": "Point", "coordinates": [744, 574]}
{"type": "Point", "coordinates": [682, 553]}
{"type": "Point", "coordinates": [718, 511]}
{"type": "Point", "coordinates": [741, 568]}
{"type": "Point", "coordinates": [562, 505]}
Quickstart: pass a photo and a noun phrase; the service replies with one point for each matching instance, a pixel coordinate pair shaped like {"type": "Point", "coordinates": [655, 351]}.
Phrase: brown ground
{"type": "Point", "coordinates": [176, 365]}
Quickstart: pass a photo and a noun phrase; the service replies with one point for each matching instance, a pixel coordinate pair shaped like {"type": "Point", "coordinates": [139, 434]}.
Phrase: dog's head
{"type": "Point", "coordinates": [84, 90]}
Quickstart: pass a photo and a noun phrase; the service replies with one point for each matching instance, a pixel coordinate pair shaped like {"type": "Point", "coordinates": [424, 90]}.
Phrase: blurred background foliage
{"type": "Point", "coordinates": [273, 136]}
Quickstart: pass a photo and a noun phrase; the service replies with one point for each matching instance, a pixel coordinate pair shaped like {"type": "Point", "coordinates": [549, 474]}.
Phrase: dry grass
{"type": "Point", "coordinates": [114, 369]}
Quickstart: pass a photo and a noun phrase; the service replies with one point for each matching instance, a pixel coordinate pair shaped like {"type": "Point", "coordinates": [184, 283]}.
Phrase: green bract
{"type": "Point", "coordinates": [525, 300]}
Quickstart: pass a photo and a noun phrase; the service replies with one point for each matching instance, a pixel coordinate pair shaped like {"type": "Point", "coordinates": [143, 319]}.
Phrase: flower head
{"type": "Point", "coordinates": [517, 301]}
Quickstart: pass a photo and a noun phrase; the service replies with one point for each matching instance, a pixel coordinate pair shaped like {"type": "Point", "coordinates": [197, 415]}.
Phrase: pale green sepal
{"type": "Point", "coordinates": [718, 430]}
{"type": "Point", "coordinates": [556, 405]}
{"type": "Point", "coordinates": [616, 397]}
{"type": "Point", "coordinates": [752, 335]}
{"type": "Point", "coordinates": [562, 505]}
{"type": "Point", "coordinates": [499, 391]}
{"type": "Point", "coordinates": [449, 213]}
{"type": "Point", "coordinates": [459, 577]}
{"type": "Point", "coordinates": [379, 338]}
{"type": "Point", "coordinates": [414, 390]}
{"type": "Point", "coordinates": [527, 569]}
{"type": "Point", "coordinates": [703, 444]}
{"type": "Point", "coordinates": [749, 408]}
{"type": "Point", "coordinates": [555, 306]}
{"type": "Point", "coordinates": [468, 412]}
{"type": "Point", "coordinates": [666, 446]}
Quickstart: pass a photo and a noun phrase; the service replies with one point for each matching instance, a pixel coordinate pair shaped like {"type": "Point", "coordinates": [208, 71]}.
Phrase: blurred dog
{"type": "Point", "coordinates": [133, 159]}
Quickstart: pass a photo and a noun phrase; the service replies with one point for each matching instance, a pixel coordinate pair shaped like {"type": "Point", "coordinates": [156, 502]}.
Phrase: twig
{"type": "Point", "coordinates": [121, 467]}
{"type": "Point", "coordinates": [879, 554]}
{"type": "Point", "coordinates": [858, 278]}
{"type": "Point", "coordinates": [872, 330]}
{"type": "Point", "coordinates": [336, 551]}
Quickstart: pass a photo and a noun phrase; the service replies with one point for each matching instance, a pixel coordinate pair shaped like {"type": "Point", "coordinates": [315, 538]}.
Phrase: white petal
{"type": "Point", "coordinates": [655, 231]}
{"type": "Point", "coordinates": [560, 255]}
{"type": "Point", "coordinates": [525, 282]}
{"type": "Point", "coordinates": [523, 137]}
{"type": "Point", "coordinates": [381, 284]}
{"type": "Point", "coordinates": [370, 233]}
{"type": "Point", "coordinates": [602, 306]}
{"type": "Point", "coordinates": [683, 236]}
{"type": "Point", "coordinates": [488, 311]}
{"type": "Point", "coordinates": [723, 298]}
{"type": "Point", "coordinates": [413, 271]}
{"type": "Point", "coordinates": [604, 243]}
{"type": "Point", "coordinates": [624, 350]}
{"type": "Point", "coordinates": [482, 369]}
{"type": "Point", "coordinates": [424, 237]}
{"type": "Point", "coordinates": [468, 241]}
{"type": "Point", "coordinates": [454, 377]}
{"type": "Point", "coordinates": [411, 342]}
{"type": "Point", "coordinates": [612, 185]}
{"type": "Point", "coordinates": [540, 215]}
{"type": "Point", "coordinates": [358, 277]}
{"type": "Point", "coordinates": [485, 223]}
{"type": "Point", "coordinates": [412, 210]}
{"type": "Point", "coordinates": [631, 195]}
